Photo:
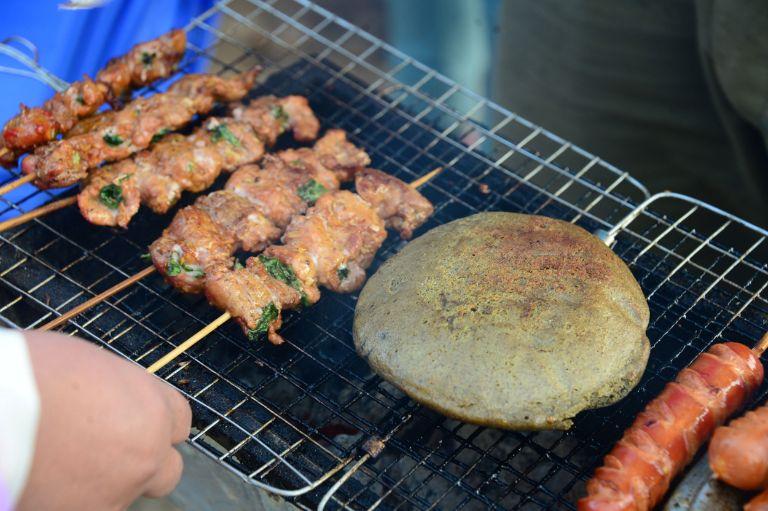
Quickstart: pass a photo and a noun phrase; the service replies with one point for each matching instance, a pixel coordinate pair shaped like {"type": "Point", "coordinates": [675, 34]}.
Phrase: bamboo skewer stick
{"type": "Point", "coordinates": [19, 182]}
{"type": "Point", "coordinates": [42, 210]}
{"type": "Point", "coordinates": [762, 345]}
{"type": "Point", "coordinates": [98, 298]}
{"type": "Point", "coordinates": [216, 323]}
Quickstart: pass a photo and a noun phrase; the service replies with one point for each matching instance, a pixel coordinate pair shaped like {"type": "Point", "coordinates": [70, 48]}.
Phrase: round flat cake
{"type": "Point", "coordinates": [506, 320]}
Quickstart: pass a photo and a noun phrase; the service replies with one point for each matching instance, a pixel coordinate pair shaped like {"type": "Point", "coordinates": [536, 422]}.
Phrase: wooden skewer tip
{"type": "Point", "coordinates": [42, 210]}
{"type": "Point", "coordinates": [15, 184]}
{"type": "Point", "coordinates": [762, 345]}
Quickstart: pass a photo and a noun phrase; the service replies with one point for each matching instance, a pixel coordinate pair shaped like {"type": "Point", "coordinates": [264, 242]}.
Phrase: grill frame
{"type": "Point", "coordinates": [676, 246]}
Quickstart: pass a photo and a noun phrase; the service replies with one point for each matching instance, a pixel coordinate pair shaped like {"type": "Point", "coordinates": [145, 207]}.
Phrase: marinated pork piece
{"type": "Point", "coordinates": [65, 162]}
{"type": "Point", "coordinates": [401, 206]}
{"type": "Point", "coordinates": [236, 214]}
{"type": "Point", "coordinates": [274, 116]}
{"type": "Point", "coordinates": [191, 245]}
{"type": "Point", "coordinates": [334, 152]}
{"type": "Point", "coordinates": [252, 296]}
{"type": "Point", "coordinates": [142, 65]}
{"type": "Point", "coordinates": [341, 234]}
{"type": "Point", "coordinates": [112, 195]}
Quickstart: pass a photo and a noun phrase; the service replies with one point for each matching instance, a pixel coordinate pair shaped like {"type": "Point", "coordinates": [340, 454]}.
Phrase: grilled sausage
{"type": "Point", "coordinates": [759, 503]}
{"type": "Point", "coordinates": [665, 436]}
{"type": "Point", "coordinates": [738, 453]}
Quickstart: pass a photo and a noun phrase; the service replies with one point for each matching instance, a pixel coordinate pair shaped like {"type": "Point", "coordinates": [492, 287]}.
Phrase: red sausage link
{"type": "Point", "coordinates": [759, 503]}
{"type": "Point", "coordinates": [666, 435]}
{"type": "Point", "coordinates": [738, 453]}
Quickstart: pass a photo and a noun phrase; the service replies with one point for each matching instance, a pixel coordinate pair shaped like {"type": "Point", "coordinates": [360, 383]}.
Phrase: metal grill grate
{"type": "Point", "coordinates": [296, 418]}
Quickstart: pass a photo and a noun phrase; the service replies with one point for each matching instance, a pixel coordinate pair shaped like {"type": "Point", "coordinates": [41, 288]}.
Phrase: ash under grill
{"type": "Point", "coordinates": [299, 418]}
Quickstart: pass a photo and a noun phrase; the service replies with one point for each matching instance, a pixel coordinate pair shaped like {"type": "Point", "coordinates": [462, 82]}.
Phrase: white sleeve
{"type": "Point", "coordinates": [19, 413]}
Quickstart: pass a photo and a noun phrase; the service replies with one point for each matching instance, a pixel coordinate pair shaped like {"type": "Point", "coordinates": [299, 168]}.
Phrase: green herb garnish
{"type": "Point", "coordinates": [112, 139]}
{"type": "Point", "coordinates": [279, 113]}
{"type": "Point", "coordinates": [160, 134]}
{"type": "Point", "coordinates": [222, 132]}
{"type": "Point", "coordinates": [123, 178]}
{"type": "Point", "coordinates": [147, 58]}
{"type": "Point", "coordinates": [111, 195]}
{"type": "Point", "coordinates": [238, 265]}
{"type": "Point", "coordinates": [80, 99]}
{"type": "Point", "coordinates": [311, 191]}
{"type": "Point", "coordinates": [175, 266]}
{"type": "Point", "coordinates": [75, 159]}
{"type": "Point", "coordinates": [146, 256]}
{"type": "Point", "coordinates": [284, 273]}
{"type": "Point", "coordinates": [342, 272]}
{"type": "Point", "coordinates": [268, 315]}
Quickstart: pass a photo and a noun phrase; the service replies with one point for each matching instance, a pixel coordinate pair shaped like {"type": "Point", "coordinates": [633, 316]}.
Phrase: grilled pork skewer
{"type": "Point", "coordinates": [119, 134]}
{"type": "Point", "coordinates": [666, 435]}
{"type": "Point", "coordinates": [142, 65]}
{"type": "Point", "coordinates": [269, 281]}
{"type": "Point", "coordinates": [274, 193]}
{"type": "Point", "coordinates": [157, 177]}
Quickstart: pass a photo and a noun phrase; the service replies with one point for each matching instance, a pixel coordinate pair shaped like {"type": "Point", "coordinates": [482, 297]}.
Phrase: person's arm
{"type": "Point", "coordinates": [105, 432]}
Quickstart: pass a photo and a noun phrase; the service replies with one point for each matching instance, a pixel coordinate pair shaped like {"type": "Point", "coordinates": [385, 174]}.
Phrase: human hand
{"type": "Point", "coordinates": [106, 430]}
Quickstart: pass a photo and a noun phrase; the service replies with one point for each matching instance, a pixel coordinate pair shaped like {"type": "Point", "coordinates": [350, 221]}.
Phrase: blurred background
{"type": "Point", "coordinates": [673, 91]}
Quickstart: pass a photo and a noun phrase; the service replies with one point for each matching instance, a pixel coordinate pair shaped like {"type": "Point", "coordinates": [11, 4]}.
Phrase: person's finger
{"type": "Point", "coordinates": [167, 477]}
{"type": "Point", "coordinates": [181, 414]}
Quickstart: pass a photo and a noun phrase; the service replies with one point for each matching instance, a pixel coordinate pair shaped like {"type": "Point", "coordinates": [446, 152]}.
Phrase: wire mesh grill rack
{"type": "Point", "coordinates": [306, 419]}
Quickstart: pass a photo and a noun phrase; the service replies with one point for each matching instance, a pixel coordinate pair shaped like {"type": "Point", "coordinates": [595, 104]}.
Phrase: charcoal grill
{"type": "Point", "coordinates": [305, 420]}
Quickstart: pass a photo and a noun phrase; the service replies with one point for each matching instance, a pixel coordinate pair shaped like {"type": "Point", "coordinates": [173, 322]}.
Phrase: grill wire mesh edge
{"type": "Point", "coordinates": [296, 418]}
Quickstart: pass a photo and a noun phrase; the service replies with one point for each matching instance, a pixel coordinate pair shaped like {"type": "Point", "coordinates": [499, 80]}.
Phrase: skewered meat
{"type": "Point", "coordinates": [272, 116]}
{"type": "Point", "coordinates": [176, 164]}
{"type": "Point", "coordinates": [738, 453]}
{"type": "Point", "coordinates": [340, 235]}
{"type": "Point", "coordinates": [666, 435]}
{"type": "Point", "coordinates": [331, 246]}
{"type": "Point", "coordinates": [332, 152]}
{"type": "Point", "coordinates": [402, 206]}
{"type": "Point", "coordinates": [253, 295]}
{"type": "Point", "coordinates": [142, 65]}
{"type": "Point", "coordinates": [275, 191]}
{"type": "Point", "coordinates": [65, 162]}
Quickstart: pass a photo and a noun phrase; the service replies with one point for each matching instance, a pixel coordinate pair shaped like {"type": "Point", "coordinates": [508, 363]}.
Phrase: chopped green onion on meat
{"type": "Point", "coordinates": [311, 191]}
{"type": "Point", "coordinates": [268, 314]}
{"type": "Point", "coordinates": [111, 195]}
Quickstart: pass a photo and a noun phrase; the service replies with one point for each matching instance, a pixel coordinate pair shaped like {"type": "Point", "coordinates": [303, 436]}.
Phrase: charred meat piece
{"type": "Point", "coordinates": [336, 241]}
{"type": "Point", "coordinates": [191, 245]}
{"type": "Point", "coordinates": [399, 205]}
{"type": "Point", "coordinates": [253, 230]}
{"type": "Point", "coordinates": [333, 152]}
{"type": "Point", "coordinates": [274, 116]}
{"type": "Point", "coordinates": [65, 162]}
{"type": "Point", "coordinates": [142, 65]}
{"type": "Point", "coordinates": [252, 296]}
